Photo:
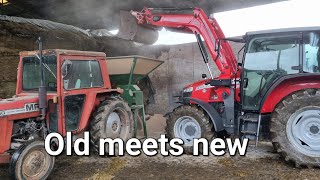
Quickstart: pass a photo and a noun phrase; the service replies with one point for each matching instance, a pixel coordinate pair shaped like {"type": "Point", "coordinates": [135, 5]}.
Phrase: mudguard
{"type": "Point", "coordinates": [287, 85]}
{"type": "Point", "coordinates": [211, 111]}
{"type": "Point", "coordinates": [15, 158]}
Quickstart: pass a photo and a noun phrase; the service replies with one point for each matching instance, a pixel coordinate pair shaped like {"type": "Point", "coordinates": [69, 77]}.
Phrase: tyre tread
{"type": "Point", "coordinates": [191, 110]}
{"type": "Point", "coordinates": [278, 127]}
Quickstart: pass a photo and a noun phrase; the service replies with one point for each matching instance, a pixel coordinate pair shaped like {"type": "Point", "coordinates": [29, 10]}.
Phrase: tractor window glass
{"type": "Point", "coordinates": [311, 57]}
{"type": "Point", "coordinates": [31, 73]}
{"type": "Point", "coordinates": [78, 74]}
{"type": "Point", "coordinates": [266, 60]}
{"type": "Point", "coordinates": [73, 108]}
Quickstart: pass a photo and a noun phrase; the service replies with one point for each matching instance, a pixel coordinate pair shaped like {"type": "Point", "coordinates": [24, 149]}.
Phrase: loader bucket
{"type": "Point", "coordinates": [131, 30]}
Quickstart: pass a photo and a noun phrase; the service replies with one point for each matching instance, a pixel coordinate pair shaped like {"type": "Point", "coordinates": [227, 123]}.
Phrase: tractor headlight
{"type": "Point", "coordinates": [189, 89]}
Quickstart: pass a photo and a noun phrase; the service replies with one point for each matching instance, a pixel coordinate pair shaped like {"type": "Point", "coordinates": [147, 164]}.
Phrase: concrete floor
{"type": "Point", "coordinates": [259, 163]}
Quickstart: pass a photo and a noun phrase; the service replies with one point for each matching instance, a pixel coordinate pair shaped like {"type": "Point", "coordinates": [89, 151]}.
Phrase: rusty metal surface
{"type": "Point", "coordinates": [63, 52]}
{"type": "Point", "coordinates": [4, 158]}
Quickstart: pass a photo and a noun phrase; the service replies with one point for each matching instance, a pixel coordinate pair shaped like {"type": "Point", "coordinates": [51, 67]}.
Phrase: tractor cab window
{"type": "Point", "coordinates": [78, 74]}
{"type": "Point", "coordinates": [266, 60]}
{"type": "Point", "coordinates": [311, 55]}
{"type": "Point", "coordinates": [31, 73]}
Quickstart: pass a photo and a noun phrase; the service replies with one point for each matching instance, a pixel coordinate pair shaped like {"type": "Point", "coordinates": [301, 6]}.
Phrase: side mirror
{"type": "Point", "coordinates": [204, 76]}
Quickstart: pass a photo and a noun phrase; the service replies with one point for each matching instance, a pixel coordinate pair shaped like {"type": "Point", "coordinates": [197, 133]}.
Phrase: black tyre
{"type": "Point", "coordinates": [31, 162]}
{"type": "Point", "coordinates": [113, 119]}
{"type": "Point", "coordinates": [187, 123]}
{"type": "Point", "coordinates": [295, 128]}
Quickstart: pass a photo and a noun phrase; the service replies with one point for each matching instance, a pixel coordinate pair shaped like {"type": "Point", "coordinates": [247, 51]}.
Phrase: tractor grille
{"type": "Point", "coordinates": [180, 97]}
{"type": "Point", "coordinates": [186, 94]}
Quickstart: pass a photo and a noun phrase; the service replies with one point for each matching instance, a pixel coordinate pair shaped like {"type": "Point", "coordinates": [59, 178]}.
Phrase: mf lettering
{"type": "Point", "coordinates": [31, 107]}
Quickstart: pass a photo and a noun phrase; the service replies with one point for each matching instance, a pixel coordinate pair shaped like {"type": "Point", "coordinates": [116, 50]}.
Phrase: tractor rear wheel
{"type": "Point", "coordinates": [31, 161]}
{"type": "Point", "coordinates": [187, 123]}
{"type": "Point", "coordinates": [113, 119]}
{"type": "Point", "coordinates": [295, 128]}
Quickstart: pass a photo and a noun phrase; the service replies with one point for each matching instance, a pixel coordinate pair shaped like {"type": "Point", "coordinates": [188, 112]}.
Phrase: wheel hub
{"type": "Point", "coordinates": [314, 129]}
{"type": "Point", "coordinates": [303, 130]}
{"type": "Point", "coordinates": [190, 130]}
{"type": "Point", "coordinates": [113, 125]}
{"type": "Point", "coordinates": [187, 129]}
{"type": "Point", "coordinates": [34, 164]}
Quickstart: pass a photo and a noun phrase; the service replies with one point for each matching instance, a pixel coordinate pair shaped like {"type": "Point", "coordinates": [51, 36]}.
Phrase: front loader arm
{"type": "Point", "coordinates": [198, 23]}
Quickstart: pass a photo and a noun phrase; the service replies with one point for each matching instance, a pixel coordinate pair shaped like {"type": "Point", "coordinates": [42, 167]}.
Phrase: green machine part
{"type": "Point", "coordinates": [134, 96]}
{"type": "Point", "coordinates": [125, 72]}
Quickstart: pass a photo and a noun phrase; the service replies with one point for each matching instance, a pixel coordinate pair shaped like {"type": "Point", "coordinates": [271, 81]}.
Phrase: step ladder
{"type": "Point", "coordinates": [249, 127]}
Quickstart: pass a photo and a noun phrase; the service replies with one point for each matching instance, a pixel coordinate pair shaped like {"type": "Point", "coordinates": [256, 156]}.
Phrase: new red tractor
{"type": "Point", "coordinates": [277, 84]}
{"type": "Point", "coordinates": [75, 95]}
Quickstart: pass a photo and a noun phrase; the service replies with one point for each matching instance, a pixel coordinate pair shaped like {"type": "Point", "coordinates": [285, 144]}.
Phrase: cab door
{"type": "Point", "coordinates": [80, 75]}
{"type": "Point", "coordinates": [267, 59]}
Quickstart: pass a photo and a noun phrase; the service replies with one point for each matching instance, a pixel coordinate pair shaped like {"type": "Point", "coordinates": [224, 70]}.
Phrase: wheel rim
{"type": "Point", "coordinates": [187, 129]}
{"type": "Point", "coordinates": [303, 130]}
{"type": "Point", "coordinates": [36, 164]}
{"type": "Point", "coordinates": [116, 124]}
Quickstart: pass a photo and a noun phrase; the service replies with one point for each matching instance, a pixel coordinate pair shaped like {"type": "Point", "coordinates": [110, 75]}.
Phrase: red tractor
{"type": "Point", "coordinates": [58, 91]}
{"type": "Point", "coordinates": [276, 85]}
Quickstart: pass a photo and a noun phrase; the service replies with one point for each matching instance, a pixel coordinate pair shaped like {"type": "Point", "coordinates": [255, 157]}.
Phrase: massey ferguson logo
{"type": "Point", "coordinates": [31, 107]}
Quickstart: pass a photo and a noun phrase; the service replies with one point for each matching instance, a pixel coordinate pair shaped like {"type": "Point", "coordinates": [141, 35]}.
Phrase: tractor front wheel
{"type": "Point", "coordinates": [188, 123]}
{"type": "Point", "coordinates": [295, 128]}
{"type": "Point", "coordinates": [31, 161]}
{"type": "Point", "coordinates": [113, 119]}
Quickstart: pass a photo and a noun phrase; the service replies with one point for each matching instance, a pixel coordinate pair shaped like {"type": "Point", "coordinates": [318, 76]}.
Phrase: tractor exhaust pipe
{"type": "Point", "coordinates": [131, 30]}
{"type": "Point", "coordinates": [42, 87]}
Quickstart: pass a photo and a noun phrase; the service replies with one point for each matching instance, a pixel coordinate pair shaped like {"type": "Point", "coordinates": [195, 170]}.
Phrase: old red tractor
{"type": "Point", "coordinates": [58, 91]}
{"type": "Point", "coordinates": [277, 86]}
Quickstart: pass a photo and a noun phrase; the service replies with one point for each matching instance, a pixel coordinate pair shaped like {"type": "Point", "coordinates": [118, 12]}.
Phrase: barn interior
{"type": "Point", "coordinates": [88, 25]}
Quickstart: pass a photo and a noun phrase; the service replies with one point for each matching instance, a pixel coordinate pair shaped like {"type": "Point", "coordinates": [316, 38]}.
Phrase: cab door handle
{"type": "Point", "coordinates": [245, 82]}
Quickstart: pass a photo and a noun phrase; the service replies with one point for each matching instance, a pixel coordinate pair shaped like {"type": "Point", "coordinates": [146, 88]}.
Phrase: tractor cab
{"type": "Point", "coordinates": [271, 56]}
{"type": "Point", "coordinates": [70, 78]}
{"type": "Point", "coordinates": [279, 68]}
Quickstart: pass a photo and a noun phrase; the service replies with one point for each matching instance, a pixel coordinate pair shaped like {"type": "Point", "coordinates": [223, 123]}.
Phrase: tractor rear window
{"type": "Point", "coordinates": [31, 73]}
{"type": "Point", "coordinates": [311, 55]}
{"type": "Point", "coordinates": [78, 74]}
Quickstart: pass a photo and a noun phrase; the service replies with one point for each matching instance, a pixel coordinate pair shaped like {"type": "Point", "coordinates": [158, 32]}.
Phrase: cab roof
{"type": "Point", "coordinates": [283, 30]}
{"type": "Point", "coordinates": [64, 52]}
